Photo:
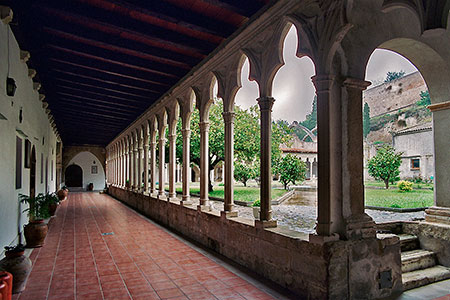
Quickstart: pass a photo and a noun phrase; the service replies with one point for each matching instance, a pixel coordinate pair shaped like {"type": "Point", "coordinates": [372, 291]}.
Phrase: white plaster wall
{"type": "Point", "coordinates": [35, 127]}
{"type": "Point", "coordinates": [85, 160]}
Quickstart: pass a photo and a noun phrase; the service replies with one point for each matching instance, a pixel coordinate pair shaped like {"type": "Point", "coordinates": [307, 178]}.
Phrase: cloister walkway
{"type": "Point", "coordinates": [97, 248]}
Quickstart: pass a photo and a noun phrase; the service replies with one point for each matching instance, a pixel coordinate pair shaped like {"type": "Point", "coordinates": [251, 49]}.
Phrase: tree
{"type": "Point", "coordinates": [291, 169]}
{"type": "Point", "coordinates": [394, 75]}
{"type": "Point", "coordinates": [246, 136]}
{"type": "Point", "coordinates": [424, 99]}
{"type": "Point", "coordinates": [385, 165]}
{"type": "Point", "coordinates": [366, 120]}
{"type": "Point", "coordinates": [244, 171]}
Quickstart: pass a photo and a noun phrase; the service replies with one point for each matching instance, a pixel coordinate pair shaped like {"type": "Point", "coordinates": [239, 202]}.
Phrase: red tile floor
{"type": "Point", "coordinates": [140, 260]}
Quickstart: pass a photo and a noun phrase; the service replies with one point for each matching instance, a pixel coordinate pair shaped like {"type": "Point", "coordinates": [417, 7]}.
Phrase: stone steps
{"type": "Point", "coordinates": [422, 277]}
{"type": "Point", "coordinates": [408, 242]}
{"type": "Point", "coordinates": [418, 265]}
{"type": "Point", "coordinates": [417, 260]}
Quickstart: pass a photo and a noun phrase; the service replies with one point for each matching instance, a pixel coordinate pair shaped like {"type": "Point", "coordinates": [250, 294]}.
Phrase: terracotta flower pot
{"type": "Point", "coordinates": [52, 209]}
{"type": "Point", "coordinates": [19, 266]}
{"type": "Point", "coordinates": [35, 232]}
{"type": "Point", "coordinates": [8, 279]}
{"type": "Point", "coordinates": [62, 194]}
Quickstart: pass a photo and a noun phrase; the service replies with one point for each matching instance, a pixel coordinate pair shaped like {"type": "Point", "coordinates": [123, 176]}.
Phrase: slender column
{"type": "Point", "coordinates": [115, 165]}
{"type": "Point", "coordinates": [204, 166]}
{"type": "Point", "coordinates": [162, 162]}
{"type": "Point", "coordinates": [146, 164]}
{"type": "Point", "coordinates": [124, 163]}
{"type": "Point", "coordinates": [127, 163]}
{"type": "Point", "coordinates": [440, 213]}
{"type": "Point", "coordinates": [186, 165]}
{"type": "Point", "coordinates": [172, 165]}
{"type": "Point", "coordinates": [265, 105]}
{"type": "Point", "coordinates": [323, 86]}
{"type": "Point", "coordinates": [140, 165]}
{"type": "Point", "coordinates": [135, 165]}
{"type": "Point", "coordinates": [153, 167]}
{"type": "Point", "coordinates": [229, 158]}
{"type": "Point", "coordinates": [120, 164]}
{"type": "Point", "coordinates": [357, 223]}
{"type": "Point", "coordinates": [131, 163]}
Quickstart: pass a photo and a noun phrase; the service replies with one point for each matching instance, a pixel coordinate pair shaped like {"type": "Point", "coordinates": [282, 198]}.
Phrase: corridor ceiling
{"type": "Point", "coordinates": [102, 63]}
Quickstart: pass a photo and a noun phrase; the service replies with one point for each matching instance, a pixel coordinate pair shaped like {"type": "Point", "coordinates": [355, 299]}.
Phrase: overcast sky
{"type": "Point", "coordinates": [292, 88]}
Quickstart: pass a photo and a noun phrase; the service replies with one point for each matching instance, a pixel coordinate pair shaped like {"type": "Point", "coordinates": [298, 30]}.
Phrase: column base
{"type": "Point", "coordinates": [437, 214]}
{"type": "Point", "coordinates": [206, 207]}
{"type": "Point", "coordinates": [186, 202]}
{"type": "Point", "coordinates": [322, 239]}
{"type": "Point", "coordinates": [360, 227]}
{"type": "Point", "coordinates": [162, 196]}
{"type": "Point", "coordinates": [172, 195]}
{"type": "Point", "coordinates": [265, 224]}
{"type": "Point", "coordinates": [228, 214]}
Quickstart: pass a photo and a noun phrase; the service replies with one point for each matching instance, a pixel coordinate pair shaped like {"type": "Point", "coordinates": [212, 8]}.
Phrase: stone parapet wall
{"type": "Point", "coordinates": [312, 271]}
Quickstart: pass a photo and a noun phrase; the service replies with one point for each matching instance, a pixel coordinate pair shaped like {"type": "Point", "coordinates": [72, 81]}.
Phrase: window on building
{"type": "Point", "coordinates": [18, 162]}
{"type": "Point", "coordinates": [415, 164]}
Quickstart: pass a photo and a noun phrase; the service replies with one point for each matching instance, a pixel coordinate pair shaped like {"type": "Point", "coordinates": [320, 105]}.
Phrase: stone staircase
{"type": "Point", "coordinates": [419, 266]}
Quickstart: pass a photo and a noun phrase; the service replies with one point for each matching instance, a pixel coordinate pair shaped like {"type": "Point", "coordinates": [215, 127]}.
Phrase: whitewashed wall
{"type": "Point", "coordinates": [86, 160]}
{"type": "Point", "coordinates": [35, 127]}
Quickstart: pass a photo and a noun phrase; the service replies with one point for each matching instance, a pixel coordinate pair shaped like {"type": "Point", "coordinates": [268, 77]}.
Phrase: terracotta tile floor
{"type": "Point", "coordinates": [139, 260]}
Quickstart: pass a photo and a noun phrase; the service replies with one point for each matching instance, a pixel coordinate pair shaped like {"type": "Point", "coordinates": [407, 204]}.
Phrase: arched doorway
{"type": "Point", "coordinates": [33, 173]}
{"type": "Point", "coordinates": [74, 176]}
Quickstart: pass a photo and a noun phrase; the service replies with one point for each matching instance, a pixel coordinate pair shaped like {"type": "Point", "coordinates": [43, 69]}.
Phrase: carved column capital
{"type": "Point", "coordinates": [266, 103]}
{"type": "Point", "coordinates": [172, 137]}
{"type": "Point", "coordinates": [204, 126]}
{"type": "Point", "coordinates": [228, 117]}
{"type": "Point", "coordinates": [186, 133]}
{"type": "Point", "coordinates": [354, 83]}
{"type": "Point", "coordinates": [322, 83]}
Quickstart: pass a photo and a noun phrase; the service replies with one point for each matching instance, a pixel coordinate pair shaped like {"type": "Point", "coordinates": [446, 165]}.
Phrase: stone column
{"type": "Point", "coordinates": [323, 90]}
{"type": "Point", "coordinates": [265, 105]}
{"type": "Point", "coordinates": [229, 167]}
{"type": "Point", "coordinates": [115, 165]}
{"type": "Point", "coordinates": [186, 166]}
{"type": "Point", "coordinates": [120, 165]}
{"type": "Point", "coordinates": [172, 165]}
{"type": "Point", "coordinates": [162, 159]}
{"type": "Point", "coordinates": [146, 146]}
{"type": "Point", "coordinates": [357, 223]}
{"type": "Point", "coordinates": [440, 213]}
{"type": "Point", "coordinates": [204, 166]}
{"type": "Point", "coordinates": [153, 167]}
{"type": "Point", "coordinates": [124, 163]}
{"type": "Point", "coordinates": [127, 166]}
{"type": "Point", "coordinates": [131, 164]}
{"type": "Point", "coordinates": [140, 165]}
{"type": "Point", "coordinates": [135, 165]}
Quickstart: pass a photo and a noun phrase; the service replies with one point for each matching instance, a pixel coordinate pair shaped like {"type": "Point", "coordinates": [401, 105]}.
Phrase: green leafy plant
{"type": "Point", "coordinates": [405, 186]}
{"type": "Point", "coordinates": [245, 171]}
{"type": "Point", "coordinates": [424, 99]}
{"type": "Point", "coordinates": [257, 203]}
{"type": "Point", "coordinates": [51, 198]}
{"type": "Point", "coordinates": [291, 169]}
{"type": "Point", "coordinates": [390, 76]}
{"type": "Point", "coordinates": [38, 206]}
{"type": "Point", "coordinates": [385, 165]}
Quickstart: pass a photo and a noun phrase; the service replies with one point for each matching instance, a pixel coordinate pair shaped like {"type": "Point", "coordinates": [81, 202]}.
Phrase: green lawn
{"type": "Point", "coordinates": [415, 185]}
{"type": "Point", "coordinates": [248, 194]}
{"type": "Point", "coordinates": [394, 198]}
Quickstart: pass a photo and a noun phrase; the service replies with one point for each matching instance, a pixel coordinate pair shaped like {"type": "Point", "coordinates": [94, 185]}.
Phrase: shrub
{"type": "Point", "coordinates": [257, 203]}
{"type": "Point", "coordinates": [405, 186]}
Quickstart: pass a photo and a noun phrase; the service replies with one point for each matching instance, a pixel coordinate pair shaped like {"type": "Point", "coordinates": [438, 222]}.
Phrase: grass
{"type": "Point", "coordinates": [415, 185]}
{"type": "Point", "coordinates": [394, 198]}
{"type": "Point", "coordinates": [248, 194]}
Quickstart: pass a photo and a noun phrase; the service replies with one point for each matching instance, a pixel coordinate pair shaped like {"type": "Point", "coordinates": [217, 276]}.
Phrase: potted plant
{"type": "Point", "coordinates": [127, 184]}
{"type": "Point", "coordinates": [36, 230]}
{"type": "Point", "coordinates": [18, 264]}
{"type": "Point", "coordinates": [90, 186]}
{"type": "Point", "coordinates": [62, 193]}
{"type": "Point", "coordinates": [52, 201]}
{"type": "Point", "coordinates": [256, 208]}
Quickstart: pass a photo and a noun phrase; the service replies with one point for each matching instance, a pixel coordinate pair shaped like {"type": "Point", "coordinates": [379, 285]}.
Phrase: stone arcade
{"type": "Point", "coordinates": [345, 258]}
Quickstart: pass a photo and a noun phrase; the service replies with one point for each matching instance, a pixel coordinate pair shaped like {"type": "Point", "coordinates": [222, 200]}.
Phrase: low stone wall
{"type": "Point", "coordinates": [333, 270]}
